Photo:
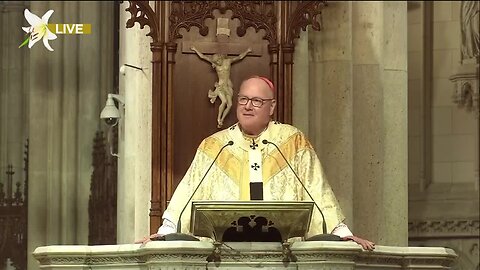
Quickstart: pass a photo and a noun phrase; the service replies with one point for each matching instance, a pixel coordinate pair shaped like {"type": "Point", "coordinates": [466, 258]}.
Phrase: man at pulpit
{"type": "Point", "coordinates": [254, 158]}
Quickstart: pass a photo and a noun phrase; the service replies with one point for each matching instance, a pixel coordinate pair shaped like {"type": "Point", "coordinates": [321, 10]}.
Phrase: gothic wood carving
{"type": "Point", "coordinates": [257, 14]}
{"type": "Point", "coordinates": [142, 13]}
{"type": "Point", "coordinates": [14, 218]}
{"type": "Point", "coordinates": [306, 13]}
{"type": "Point", "coordinates": [187, 14]}
{"type": "Point", "coordinates": [298, 15]}
{"type": "Point", "coordinates": [260, 15]}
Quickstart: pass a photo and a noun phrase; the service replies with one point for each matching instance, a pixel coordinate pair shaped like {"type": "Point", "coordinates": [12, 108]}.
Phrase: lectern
{"type": "Point", "coordinates": [250, 221]}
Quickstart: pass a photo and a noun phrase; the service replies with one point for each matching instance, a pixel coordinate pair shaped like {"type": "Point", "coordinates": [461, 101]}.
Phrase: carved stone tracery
{"type": "Point", "coordinates": [466, 92]}
{"type": "Point", "coordinates": [443, 228]}
{"type": "Point", "coordinates": [346, 257]}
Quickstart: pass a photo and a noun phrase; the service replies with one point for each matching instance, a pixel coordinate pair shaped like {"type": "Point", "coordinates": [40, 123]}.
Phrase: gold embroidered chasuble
{"type": "Point", "coordinates": [249, 158]}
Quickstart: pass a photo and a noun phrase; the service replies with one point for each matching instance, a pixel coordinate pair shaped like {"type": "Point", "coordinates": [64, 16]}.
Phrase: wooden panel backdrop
{"type": "Point", "coordinates": [182, 114]}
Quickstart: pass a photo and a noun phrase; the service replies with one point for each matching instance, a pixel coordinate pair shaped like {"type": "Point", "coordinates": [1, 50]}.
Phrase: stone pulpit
{"type": "Point", "coordinates": [221, 250]}
{"type": "Point", "coordinates": [246, 255]}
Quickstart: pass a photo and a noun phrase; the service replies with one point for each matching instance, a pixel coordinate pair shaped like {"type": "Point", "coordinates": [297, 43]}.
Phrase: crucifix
{"type": "Point", "coordinates": [223, 87]}
{"type": "Point", "coordinates": [221, 63]}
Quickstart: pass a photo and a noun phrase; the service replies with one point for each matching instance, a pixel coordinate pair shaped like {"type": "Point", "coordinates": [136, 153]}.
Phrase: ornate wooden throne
{"type": "Point", "coordinates": [182, 114]}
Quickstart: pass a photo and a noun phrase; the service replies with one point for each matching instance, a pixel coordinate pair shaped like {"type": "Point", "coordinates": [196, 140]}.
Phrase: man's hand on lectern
{"type": "Point", "coordinates": [367, 245]}
{"type": "Point", "coordinates": [147, 239]}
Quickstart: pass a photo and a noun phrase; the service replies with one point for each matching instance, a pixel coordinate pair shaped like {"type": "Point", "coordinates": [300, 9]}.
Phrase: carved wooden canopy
{"type": "Point", "coordinates": [280, 23]}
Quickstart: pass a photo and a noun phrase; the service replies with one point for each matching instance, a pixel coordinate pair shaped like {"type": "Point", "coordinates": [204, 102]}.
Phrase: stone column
{"type": "Point", "coordinates": [54, 110]}
{"type": "Point", "coordinates": [13, 98]}
{"type": "Point", "coordinates": [69, 129]}
{"type": "Point", "coordinates": [3, 90]}
{"type": "Point", "coordinates": [358, 114]}
{"type": "Point", "coordinates": [134, 175]}
{"type": "Point", "coordinates": [301, 87]}
{"type": "Point", "coordinates": [380, 121]}
{"type": "Point", "coordinates": [395, 78]}
{"type": "Point", "coordinates": [331, 100]}
{"type": "Point", "coordinates": [90, 102]}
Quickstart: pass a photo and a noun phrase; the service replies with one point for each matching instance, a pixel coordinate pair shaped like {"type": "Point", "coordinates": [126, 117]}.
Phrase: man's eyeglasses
{"type": "Point", "coordinates": [256, 101]}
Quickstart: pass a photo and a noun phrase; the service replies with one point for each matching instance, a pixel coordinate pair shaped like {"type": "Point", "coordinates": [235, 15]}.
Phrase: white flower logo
{"type": "Point", "coordinates": [38, 30]}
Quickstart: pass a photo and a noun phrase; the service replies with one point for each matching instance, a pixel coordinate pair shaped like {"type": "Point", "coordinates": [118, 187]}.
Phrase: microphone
{"type": "Point", "coordinates": [320, 237]}
{"type": "Point", "coordinates": [181, 236]}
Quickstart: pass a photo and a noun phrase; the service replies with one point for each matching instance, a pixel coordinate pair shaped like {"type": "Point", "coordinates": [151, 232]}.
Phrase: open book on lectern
{"type": "Point", "coordinates": [251, 221]}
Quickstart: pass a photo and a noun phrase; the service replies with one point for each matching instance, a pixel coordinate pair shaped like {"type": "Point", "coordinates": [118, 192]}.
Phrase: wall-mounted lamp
{"type": "Point", "coordinates": [110, 113]}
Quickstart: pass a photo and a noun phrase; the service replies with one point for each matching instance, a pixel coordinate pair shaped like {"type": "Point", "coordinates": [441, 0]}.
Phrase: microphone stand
{"type": "Point", "coordinates": [319, 237]}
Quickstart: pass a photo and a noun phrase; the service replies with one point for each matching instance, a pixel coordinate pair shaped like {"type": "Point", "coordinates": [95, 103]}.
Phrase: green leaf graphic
{"type": "Point", "coordinates": [24, 42]}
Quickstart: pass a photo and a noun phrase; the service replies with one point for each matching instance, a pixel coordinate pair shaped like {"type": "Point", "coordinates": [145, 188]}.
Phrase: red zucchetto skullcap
{"type": "Point", "coordinates": [267, 81]}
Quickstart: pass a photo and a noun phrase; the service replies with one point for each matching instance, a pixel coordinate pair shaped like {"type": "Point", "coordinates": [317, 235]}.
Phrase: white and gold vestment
{"type": "Point", "coordinates": [248, 159]}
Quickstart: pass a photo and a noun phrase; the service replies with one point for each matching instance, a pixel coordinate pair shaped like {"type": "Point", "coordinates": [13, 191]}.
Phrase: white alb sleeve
{"type": "Point", "coordinates": [342, 230]}
{"type": "Point", "coordinates": [168, 226]}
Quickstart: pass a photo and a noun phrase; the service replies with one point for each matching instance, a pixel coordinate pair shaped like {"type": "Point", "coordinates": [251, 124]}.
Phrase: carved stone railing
{"type": "Point", "coordinates": [461, 235]}
{"type": "Point", "coordinates": [205, 255]}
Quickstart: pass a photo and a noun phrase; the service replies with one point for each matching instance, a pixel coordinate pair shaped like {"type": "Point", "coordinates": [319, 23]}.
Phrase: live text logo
{"type": "Point", "coordinates": [70, 28]}
{"type": "Point", "coordinates": [40, 29]}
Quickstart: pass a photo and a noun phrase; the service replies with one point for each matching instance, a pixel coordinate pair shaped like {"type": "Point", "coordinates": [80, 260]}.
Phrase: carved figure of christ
{"type": "Point", "coordinates": [223, 88]}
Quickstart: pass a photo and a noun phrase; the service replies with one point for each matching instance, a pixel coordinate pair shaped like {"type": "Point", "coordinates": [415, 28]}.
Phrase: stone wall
{"type": "Point", "coordinates": [443, 137]}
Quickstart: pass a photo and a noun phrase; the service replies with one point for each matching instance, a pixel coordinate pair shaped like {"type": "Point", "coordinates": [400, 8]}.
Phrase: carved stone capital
{"type": "Point", "coordinates": [466, 93]}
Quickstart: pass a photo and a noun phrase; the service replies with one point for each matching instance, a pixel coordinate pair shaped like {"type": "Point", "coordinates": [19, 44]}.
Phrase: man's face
{"type": "Point", "coordinates": [253, 119]}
